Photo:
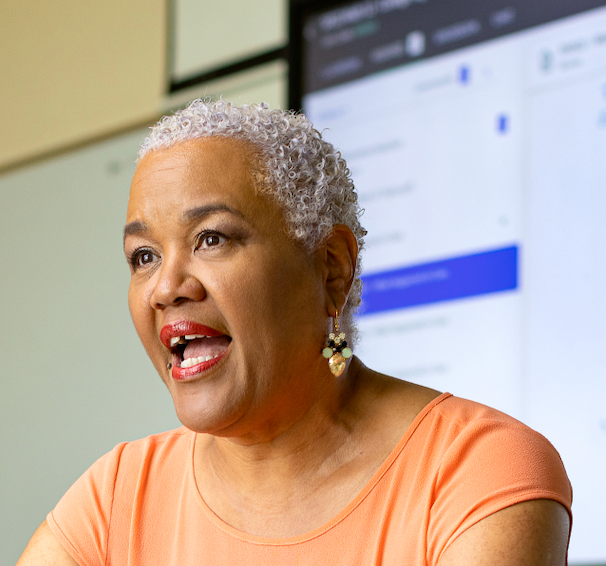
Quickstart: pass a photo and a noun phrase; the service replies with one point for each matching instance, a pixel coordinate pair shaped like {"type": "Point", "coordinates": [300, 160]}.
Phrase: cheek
{"type": "Point", "coordinates": [279, 296]}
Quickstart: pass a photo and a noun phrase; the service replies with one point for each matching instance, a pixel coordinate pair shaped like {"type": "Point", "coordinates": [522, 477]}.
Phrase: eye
{"type": "Point", "coordinates": [142, 258]}
{"type": "Point", "coordinates": [211, 240]}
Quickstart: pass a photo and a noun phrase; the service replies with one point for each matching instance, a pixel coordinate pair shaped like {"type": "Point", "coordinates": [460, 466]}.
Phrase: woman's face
{"type": "Point", "coordinates": [220, 291]}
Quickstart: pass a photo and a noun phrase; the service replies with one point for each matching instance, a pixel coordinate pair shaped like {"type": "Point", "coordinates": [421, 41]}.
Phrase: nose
{"type": "Point", "coordinates": [175, 284]}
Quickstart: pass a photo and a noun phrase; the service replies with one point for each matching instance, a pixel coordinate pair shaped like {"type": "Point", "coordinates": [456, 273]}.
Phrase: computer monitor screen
{"type": "Point", "coordinates": [475, 132]}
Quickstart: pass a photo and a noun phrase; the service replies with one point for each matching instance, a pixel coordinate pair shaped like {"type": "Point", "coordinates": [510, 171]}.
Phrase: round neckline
{"type": "Point", "coordinates": [341, 515]}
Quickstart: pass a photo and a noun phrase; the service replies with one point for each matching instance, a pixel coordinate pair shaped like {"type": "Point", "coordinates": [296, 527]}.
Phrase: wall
{"type": "Point", "coordinates": [75, 380]}
{"type": "Point", "coordinates": [72, 70]}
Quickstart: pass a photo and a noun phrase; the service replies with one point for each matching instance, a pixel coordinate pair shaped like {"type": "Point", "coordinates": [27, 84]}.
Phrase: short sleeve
{"type": "Point", "coordinates": [490, 464]}
{"type": "Point", "coordinates": [81, 519]}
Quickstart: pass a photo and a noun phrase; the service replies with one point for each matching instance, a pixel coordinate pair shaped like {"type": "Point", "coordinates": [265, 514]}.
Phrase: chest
{"type": "Point", "coordinates": [386, 524]}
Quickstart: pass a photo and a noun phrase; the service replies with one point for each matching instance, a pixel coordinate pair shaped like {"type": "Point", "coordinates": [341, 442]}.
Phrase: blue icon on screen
{"type": "Point", "coordinates": [502, 123]}
{"type": "Point", "coordinates": [464, 74]}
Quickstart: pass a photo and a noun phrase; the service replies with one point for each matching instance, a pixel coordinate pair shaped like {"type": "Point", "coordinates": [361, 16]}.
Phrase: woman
{"type": "Point", "coordinates": [242, 238]}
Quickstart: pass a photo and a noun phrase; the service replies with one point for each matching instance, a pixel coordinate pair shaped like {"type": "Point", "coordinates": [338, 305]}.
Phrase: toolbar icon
{"type": "Point", "coordinates": [464, 74]}
{"type": "Point", "coordinates": [546, 61]}
{"type": "Point", "coordinates": [415, 43]}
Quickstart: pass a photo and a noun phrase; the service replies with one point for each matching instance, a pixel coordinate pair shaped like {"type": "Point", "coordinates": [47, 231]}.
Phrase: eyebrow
{"type": "Point", "coordinates": [197, 213]}
{"type": "Point", "coordinates": [201, 212]}
{"type": "Point", "coordinates": [134, 228]}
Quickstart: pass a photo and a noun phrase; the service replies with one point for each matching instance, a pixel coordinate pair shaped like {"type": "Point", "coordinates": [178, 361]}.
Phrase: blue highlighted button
{"type": "Point", "coordinates": [446, 280]}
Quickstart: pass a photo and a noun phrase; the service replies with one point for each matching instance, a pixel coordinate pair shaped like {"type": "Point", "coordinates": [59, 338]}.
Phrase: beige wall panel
{"type": "Point", "coordinates": [213, 34]}
{"type": "Point", "coordinates": [72, 70]}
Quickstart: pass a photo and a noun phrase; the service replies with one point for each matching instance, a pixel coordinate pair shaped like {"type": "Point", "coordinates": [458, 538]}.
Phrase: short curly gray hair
{"type": "Point", "coordinates": [304, 173]}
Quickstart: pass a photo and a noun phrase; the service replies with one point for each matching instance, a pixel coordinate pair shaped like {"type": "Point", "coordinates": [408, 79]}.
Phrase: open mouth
{"type": "Point", "coordinates": [194, 349]}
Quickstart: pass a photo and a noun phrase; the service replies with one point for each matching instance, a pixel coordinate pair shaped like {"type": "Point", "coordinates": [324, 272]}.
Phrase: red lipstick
{"type": "Point", "coordinates": [184, 328]}
{"type": "Point", "coordinates": [180, 374]}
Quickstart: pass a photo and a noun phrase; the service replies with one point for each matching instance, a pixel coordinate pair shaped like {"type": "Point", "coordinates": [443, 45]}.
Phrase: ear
{"type": "Point", "coordinates": [340, 254]}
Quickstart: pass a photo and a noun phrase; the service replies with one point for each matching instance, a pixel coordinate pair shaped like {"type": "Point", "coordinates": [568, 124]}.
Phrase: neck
{"type": "Point", "coordinates": [284, 455]}
{"type": "Point", "coordinates": [305, 472]}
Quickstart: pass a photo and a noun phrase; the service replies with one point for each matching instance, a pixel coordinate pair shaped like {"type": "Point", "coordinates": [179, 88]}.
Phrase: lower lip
{"type": "Point", "coordinates": [183, 374]}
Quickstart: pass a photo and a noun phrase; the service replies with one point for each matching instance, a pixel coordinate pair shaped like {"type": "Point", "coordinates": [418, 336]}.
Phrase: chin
{"type": "Point", "coordinates": [203, 414]}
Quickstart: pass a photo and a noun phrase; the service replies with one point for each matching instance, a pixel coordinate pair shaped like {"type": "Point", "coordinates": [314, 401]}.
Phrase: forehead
{"type": "Point", "coordinates": [211, 169]}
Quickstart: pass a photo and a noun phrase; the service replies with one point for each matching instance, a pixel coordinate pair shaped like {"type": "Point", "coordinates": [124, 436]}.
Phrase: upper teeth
{"type": "Point", "coordinates": [181, 339]}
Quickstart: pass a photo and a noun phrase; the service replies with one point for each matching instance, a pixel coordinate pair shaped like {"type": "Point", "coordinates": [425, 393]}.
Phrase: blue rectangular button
{"type": "Point", "coordinates": [446, 280]}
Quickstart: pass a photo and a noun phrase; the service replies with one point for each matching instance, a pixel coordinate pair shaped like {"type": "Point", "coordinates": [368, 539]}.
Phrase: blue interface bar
{"type": "Point", "coordinates": [456, 278]}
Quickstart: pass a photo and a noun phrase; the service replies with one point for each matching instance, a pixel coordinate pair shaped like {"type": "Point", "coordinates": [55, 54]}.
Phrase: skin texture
{"type": "Point", "coordinates": [44, 548]}
{"type": "Point", "coordinates": [527, 534]}
{"type": "Point", "coordinates": [282, 445]}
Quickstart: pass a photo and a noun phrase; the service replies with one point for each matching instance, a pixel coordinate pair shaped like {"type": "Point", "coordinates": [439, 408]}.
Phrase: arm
{"type": "Point", "coordinates": [533, 533]}
{"type": "Point", "coordinates": [44, 549]}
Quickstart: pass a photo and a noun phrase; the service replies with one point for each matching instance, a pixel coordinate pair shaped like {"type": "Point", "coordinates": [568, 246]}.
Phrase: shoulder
{"type": "Point", "coordinates": [406, 406]}
{"type": "Point", "coordinates": [142, 449]}
{"type": "Point", "coordinates": [123, 466]}
{"type": "Point", "coordinates": [479, 462]}
{"type": "Point", "coordinates": [484, 445]}
{"type": "Point", "coordinates": [461, 413]}
{"type": "Point", "coordinates": [169, 441]}
{"type": "Point", "coordinates": [483, 461]}
{"type": "Point", "coordinates": [451, 418]}
{"type": "Point", "coordinates": [105, 493]}
{"type": "Point", "coordinates": [168, 438]}
{"type": "Point", "coordinates": [129, 460]}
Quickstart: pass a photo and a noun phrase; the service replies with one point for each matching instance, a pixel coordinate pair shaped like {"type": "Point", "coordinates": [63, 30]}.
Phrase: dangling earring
{"type": "Point", "coordinates": [337, 350]}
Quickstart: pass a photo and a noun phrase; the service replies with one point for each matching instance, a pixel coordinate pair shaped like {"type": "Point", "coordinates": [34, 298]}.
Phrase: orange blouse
{"type": "Point", "coordinates": [457, 463]}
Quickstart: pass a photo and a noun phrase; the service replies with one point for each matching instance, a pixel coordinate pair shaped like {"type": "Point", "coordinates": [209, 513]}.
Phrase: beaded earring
{"type": "Point", "coordinates": [337, 350]}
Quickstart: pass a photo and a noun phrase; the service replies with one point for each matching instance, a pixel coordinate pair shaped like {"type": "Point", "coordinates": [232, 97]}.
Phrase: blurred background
{"type": "Point", "coordinates": [476, 135]}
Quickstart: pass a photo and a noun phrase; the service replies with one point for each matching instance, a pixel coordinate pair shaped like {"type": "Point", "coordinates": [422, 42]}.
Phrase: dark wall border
{"type": "Point", "coordinates": [238, 66]}
{"type": "Point", "coordinates": [232, 68]}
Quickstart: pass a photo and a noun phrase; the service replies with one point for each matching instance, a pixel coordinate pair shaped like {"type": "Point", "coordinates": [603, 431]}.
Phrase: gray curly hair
{"type": "Point", "coordinates": [305, 175]}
